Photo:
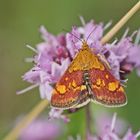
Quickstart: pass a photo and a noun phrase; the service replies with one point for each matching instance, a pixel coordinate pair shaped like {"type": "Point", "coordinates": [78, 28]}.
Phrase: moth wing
{"type": "Point", "coordinates": [83, 98]}
{"type": "Point", "coordinates": [67, 91]}
{"type": "Point", "coordinates": [70, 91]}
{"type": "Point", "coordinates": [106, 89]}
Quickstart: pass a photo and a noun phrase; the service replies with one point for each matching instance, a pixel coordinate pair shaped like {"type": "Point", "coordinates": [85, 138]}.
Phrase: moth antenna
{"type": "Point", "coordinates": [90, 34]}
{"type": "Point", "coordinates": [73, 35]}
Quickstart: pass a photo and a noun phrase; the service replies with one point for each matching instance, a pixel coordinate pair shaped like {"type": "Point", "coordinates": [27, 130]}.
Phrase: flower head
{"type": "Point", "coordinates": [113, 130]}
{"type": "Point", "coordinates": [41, 129]}
{"type": "Point", "coordinates": [55, 53]}
{"type": "Point", "coordinates": [123, 56]}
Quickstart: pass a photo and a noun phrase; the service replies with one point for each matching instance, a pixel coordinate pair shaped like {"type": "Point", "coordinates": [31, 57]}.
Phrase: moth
{"type": "Point", "coordinates": [87, 79]}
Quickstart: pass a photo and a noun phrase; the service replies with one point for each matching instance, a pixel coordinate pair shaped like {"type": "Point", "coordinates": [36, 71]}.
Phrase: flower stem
{"type": "Point", "coordinates": [15, 133]}
{"type": "Point", "coordinates": [120, 24]}
{"type": "Point", "coordinates": [88, 120]}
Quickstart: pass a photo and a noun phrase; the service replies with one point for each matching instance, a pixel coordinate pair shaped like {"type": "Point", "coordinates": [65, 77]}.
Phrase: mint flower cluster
{"type": "Point", "coordinates": [53, 55]}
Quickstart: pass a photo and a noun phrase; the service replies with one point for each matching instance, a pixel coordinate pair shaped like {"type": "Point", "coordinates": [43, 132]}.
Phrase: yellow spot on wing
{"type": "Point", "coordinates": [103, 83]}
{"type": "Point", "coordinates": [61, 89]}
{"type": "Point", "coordinates": [112, 86]}
{"type": "Point", "coordinates": [74, 83]}
{"type": "Point", "coordinates": [94, 86]}
{"type": "Point", "coordinates": [121, 89]}
{"type": "Point", "coordinates": [98, 82]}
{"type": "Point", "coordinates": [66, 78]}
{"type": "Point", "coordinates": [69, 86]}
{"type": "Point", "coordinates": [106, 76]}
{"type": "Point", "coordinates": [83, 87]}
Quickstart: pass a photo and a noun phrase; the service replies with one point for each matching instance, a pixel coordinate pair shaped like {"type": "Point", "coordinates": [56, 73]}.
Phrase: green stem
{"type": "Point", "coordinates": [88, 120]}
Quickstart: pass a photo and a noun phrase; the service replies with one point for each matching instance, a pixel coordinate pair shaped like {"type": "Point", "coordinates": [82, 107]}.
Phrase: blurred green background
{"type": "Point", "coordinates": [19, 24]}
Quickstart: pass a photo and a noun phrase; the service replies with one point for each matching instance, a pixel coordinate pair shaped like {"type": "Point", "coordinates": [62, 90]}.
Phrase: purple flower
{"type": "Point", "coordinates": [57, 114]}
{"type": "Point", "coordinates": [113, 130]}
{"type": "Point", "coordinates": [123, 56]}
{"type": "Point", "coordinates": [73, 44]}
{"type": "Point", "coordinates": [41, 129]}
{"type": "Point", "coordinates": [104, 119]}
{"type": "Point", "coordinates": [55, 53]}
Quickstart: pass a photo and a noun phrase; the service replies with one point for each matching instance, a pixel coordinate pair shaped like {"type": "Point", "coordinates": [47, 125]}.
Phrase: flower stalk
{"type": "Point", "coordinates": [120, 24]}
{"type": "Point", "coordinates": [28, 119]}
{"type": "Point", "coordinates": [15, 132]}
{"type": "Point", "coordinates": [88, 120]}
